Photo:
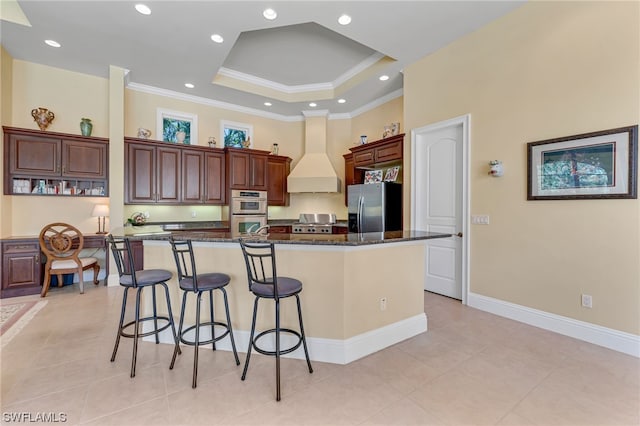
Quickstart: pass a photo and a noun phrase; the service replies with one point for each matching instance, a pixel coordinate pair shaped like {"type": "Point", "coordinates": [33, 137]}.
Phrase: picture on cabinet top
{"type": "Point", "coordinates": [236, 135]}
{"type": "Point", "coordinates": [392, 174]}
{"type": "Point", "coordinates": [177, 127]}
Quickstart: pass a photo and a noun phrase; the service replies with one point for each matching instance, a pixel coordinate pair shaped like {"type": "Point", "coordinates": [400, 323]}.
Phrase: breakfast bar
{"type": "Point", "coordinates": [362, 291]}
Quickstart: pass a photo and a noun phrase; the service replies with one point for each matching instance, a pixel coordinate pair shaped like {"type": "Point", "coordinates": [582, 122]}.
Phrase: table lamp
{"type": "Point", "coordinates": [100, 211]}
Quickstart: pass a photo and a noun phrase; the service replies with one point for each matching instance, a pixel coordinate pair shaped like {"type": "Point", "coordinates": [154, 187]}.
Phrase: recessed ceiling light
{"type": "Point", "coordinates": [344, 20]}
{"type": "Point", "coordinates": [143, 8]}
{"type": "Point", "coordinates": [217, 38]}
{"type": "Point", "coordinates": [313, 104]}
{"type": "Point", "coordinates": [189, 85]}
{"type": "Point", "coordinates": [270, 14]}
{"type": "Point", "coordinates": [384, 77]}
{"type": "Point", "coordinates": [267, 104]}
{"type": "Point", "coordinates": [52, 43]}
{"type": "Point", "coordinates": [341, 101]}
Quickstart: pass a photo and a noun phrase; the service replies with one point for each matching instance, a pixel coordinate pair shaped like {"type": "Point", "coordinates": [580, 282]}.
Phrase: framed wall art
{"type": "Point", "coordinates": [236, 135]}
{"type": "Point", "coordinates": [593, 165]}
{"type": "Point", "coordinates": [177, 127]}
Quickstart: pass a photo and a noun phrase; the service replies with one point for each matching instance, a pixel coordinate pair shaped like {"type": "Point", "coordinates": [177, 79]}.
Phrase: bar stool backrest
{"type": "Point", "coordinates": [260, 260]}
{"type": "Point", "coordinates": [185, 260]}
{"type": "Point", "coordinates": [123, 256]}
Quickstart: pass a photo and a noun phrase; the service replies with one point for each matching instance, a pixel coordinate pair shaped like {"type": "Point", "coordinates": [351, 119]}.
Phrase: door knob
{"type": "Point", "coordinates": [459, 234]}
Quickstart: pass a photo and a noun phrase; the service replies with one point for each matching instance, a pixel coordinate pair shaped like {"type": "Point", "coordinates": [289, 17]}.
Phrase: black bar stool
{"type": "Point", "coordinates": [132, 279]}
{"type": "Point", "coordinates": [264, 283]}
{"type": "Point", "coordinates": [192, 282]}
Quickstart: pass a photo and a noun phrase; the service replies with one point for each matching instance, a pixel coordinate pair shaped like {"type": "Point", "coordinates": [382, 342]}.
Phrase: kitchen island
{"type": "Point", "coordinates": [362, 292]}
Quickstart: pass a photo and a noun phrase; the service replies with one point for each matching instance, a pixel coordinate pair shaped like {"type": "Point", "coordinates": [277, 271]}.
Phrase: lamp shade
{"type": "Point", "coordinates": [100, 210]}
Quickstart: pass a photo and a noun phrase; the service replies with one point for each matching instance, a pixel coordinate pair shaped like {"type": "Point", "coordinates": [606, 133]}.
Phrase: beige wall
{"type": "Point", "coordinates": [546, 70]}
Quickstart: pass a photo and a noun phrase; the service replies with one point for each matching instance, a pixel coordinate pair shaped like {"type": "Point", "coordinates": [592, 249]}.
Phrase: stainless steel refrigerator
{"type": "Point", "coordinates": [375, 207]}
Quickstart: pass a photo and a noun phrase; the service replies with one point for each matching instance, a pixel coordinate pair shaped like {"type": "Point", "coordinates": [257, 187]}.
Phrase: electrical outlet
{"type": "Point", "coordinates": [586, 301]}
{"type": "Point", "coordinates": [480, 219]}
{"type": "Point", "coordinates": [383, 304]}
{"type": "Point", "coordinates": [194, 214]}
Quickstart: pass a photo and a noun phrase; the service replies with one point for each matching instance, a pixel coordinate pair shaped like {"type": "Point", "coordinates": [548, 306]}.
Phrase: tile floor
{"type": "Point", "coordinates": [470, 368]}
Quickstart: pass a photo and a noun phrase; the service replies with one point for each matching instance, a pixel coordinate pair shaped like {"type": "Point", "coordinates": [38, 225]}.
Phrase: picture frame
{"type": "Point", "coordinates": [597, 165]}
{"type": "Point", "coordinates": [373, 176]}
{"type": "Point", "coordinates": [169, 123]}
{"type": "Point", "coordinates": [392, 174]}
{"type": "Point", "coordinates": [233, 134]}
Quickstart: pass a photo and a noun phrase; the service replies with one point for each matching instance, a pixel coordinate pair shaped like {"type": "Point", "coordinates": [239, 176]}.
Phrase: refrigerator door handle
{"type": "Point", "coordinates": [360, 212]}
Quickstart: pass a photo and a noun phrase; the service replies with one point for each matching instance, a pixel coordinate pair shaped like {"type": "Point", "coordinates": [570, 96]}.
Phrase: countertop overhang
{"type": "Point", "coordinates": [352, 239]}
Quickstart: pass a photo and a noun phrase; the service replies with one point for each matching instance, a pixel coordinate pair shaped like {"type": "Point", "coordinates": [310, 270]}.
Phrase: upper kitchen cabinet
{"type": "Point", "coordinates": [378, 153]}
{"type": "Point", "coordinates": [278, 168]}
{"type": "Point", "coordinates": [48, 163]}
{"type": "Point", "coordinates": [163, 173]}
{"type": "Point", "coordinates": [247, 169]}
{"type": "Point", "coordinates": [152, 173]}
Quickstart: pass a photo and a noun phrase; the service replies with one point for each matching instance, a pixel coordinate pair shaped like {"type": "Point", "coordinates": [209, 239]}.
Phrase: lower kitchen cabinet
{"type": "Point", "coordinates": [21, 268]}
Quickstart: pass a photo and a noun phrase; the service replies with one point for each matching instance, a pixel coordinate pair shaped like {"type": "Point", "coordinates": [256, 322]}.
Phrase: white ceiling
{"type": "Point", "coordinates": [303, 56]}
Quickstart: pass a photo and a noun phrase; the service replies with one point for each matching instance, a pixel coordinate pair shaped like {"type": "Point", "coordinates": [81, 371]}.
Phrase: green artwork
{"type": "Point", "coordinates": [234, 137]}
{"type": "Point", "coordinates": [171, 126]}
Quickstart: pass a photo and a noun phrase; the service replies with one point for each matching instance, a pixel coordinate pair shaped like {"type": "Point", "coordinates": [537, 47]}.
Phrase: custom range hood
{"type": "Point", "coordinates": [314, 172]}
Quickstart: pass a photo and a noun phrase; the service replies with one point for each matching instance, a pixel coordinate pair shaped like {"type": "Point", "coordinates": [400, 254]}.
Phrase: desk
{"type": "Point", "coordinates": [22, 271]}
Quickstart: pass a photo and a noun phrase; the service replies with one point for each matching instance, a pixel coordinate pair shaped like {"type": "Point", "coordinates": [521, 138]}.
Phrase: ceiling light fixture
{"type": "Point", "coordinates": [384, 77]}
{"type": "Point", "coordinates": [341, 101]}
{"type": "Point", "coordinates": [267, 104]}
{"type": "Point", "coordinates": [52, 43]}
{"type": "Point", "coordinates": [217, 38]}
{"type": "Point", "coordinates": [344, 19]}
{"type": "Point", "coordinates": [313, 104]}
{"type": "Point", "coordinates": [269, 14]}
{"type": "Point", "coordinates": [143, 8]}
{"type": "Point", "coordinates": [189, 85]}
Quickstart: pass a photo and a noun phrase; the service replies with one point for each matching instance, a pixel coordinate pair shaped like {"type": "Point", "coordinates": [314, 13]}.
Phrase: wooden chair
{"type": "Point", "coordinates": [61, 243]}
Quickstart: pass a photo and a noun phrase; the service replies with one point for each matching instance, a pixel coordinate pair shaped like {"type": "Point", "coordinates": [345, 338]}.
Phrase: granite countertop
{"type": "Point", "coordinates": [352, 239]}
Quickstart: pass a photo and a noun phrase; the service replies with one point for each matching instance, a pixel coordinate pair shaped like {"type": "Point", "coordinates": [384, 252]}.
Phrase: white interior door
{"type": "Point", "coordinates": [439, 202]}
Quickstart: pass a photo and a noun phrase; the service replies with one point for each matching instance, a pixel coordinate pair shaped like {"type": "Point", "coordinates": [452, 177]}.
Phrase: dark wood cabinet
{"type": "Point", "coordinates": [152, 174]}
{"type": "Point", "coordinates": [21, 268]}
{"type": "Point", "coordinates": [278, 168]}
{"type": "Point", "coordinates": [280, 229]}
{"type": "Point", "coordinates": [192, 176]}
{"type": "Point", "coordinates": [380, 154]}
{"type": "Point", "coordinates": [164, 173]}
{"type": "Point", "coordinates": [247, 169]}
{"type": "Point", "coordinates": [48, 163]}
{"type": "Point", "coordinates": [215, 188]}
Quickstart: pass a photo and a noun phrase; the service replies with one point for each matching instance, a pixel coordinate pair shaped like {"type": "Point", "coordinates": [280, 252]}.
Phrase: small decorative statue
{"type": "Point", "coordinates": [43, 117]}
{"type": "Point", "coordinates": [144, 133]}
{"type": "Point", "coordinates": [387, 132]}
{"type": "Point", "coordinates": [247, 143]}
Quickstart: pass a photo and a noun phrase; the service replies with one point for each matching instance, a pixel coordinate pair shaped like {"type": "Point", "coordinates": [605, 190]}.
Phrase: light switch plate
{"type": "Point", "coordinates": [480, 219]}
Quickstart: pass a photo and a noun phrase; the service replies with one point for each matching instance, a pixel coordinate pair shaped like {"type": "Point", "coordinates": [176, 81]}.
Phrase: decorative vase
{"type": "Point", "coordinates": [180, 135]}
{"type": "Point", "coordinates": [363, 139]}
{"type": "Point", "coordinates": [274, 149]}
{"type": "Point", "coordinates": [212, 142]}
{"type": "Point", "coordinates": [43, 117]}
{"type": "Point", "coordinates": [86, 127]}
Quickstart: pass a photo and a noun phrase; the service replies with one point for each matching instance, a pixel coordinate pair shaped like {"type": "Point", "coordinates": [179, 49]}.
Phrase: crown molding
{"type": "Point", "coordinates": [252, 111]}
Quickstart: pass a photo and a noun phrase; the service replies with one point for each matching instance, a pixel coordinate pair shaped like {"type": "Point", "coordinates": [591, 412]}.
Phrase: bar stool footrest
{"type": "Point", "coordinates": [148, 333]}
{"type": "Point", "coordinates": [204, 342]}
{"type": "Point", "coordinates": [282, 351]}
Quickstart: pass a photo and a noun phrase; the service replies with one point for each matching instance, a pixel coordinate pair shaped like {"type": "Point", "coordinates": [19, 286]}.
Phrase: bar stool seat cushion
{"type": "Point", "coordinates": [286, 287]}
{"type": "Point", "coordinates": [206, 282]}
{"type": "Point", "coordinates": [146, 277]}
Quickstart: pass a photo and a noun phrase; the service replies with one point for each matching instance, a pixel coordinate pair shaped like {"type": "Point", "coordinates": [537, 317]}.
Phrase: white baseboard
{"type": "Point", "coordinates": [602, 336]}
{"type": "Point", "coordinates": [323, 350]}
